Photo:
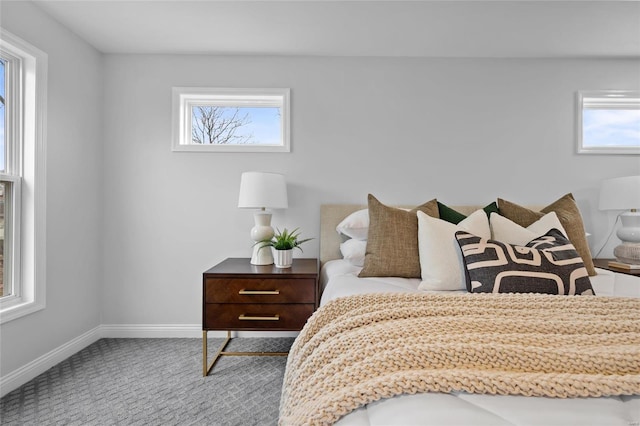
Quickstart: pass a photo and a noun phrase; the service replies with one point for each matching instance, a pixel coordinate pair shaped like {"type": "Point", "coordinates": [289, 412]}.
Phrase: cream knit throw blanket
{"type": "Point", "coordinates": [359, 349]}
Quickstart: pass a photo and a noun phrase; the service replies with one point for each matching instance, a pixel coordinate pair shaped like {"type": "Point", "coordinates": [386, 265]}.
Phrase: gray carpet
{"type": "Point", "coordinates": [153, 382]}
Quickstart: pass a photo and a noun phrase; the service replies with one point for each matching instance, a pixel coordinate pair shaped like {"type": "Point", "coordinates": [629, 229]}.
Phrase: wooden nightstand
{"type": "Point", "coordinates": [604, 264]}
{"type": "Point", "coordinates": [239, 296]}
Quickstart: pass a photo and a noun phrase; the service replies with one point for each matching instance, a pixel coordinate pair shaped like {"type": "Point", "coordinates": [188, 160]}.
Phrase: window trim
{"type": "Point", "coordinates": [12, 238]}
{"type": "Point", "coordinates": [603, 94]}
{"type": "Point", "coordinates": [184, 97]}
{"type": "Point", "coordinates": [30, 202]}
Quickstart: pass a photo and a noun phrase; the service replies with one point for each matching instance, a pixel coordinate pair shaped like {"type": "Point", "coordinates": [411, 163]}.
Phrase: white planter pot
{"type": "Point", "coordinates": [283, 258]}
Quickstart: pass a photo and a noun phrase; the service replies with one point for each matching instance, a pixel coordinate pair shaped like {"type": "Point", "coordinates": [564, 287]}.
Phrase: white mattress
{"type": "Point", "coordinates": [339, 278]}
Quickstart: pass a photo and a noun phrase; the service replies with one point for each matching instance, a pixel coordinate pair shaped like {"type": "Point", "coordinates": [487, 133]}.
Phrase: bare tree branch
{"type": "Point", "coordinates": [218, 125]}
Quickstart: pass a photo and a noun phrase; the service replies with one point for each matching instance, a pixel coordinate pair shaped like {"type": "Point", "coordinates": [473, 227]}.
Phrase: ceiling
{"type": "Point", "coordinates": [418, 28]}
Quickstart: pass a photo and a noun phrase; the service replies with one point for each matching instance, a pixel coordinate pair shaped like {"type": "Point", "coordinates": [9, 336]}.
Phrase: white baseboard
{"type": "Point", "coordinates": [29, 371]}
{"type": "Point", "coordinates": [151, 330]}
{"type": "Point", "coordinates": [179, 331]}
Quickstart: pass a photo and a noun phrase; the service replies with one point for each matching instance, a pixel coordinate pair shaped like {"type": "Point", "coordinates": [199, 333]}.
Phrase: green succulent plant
{"type": "Point", "coordinates": [284, 240]}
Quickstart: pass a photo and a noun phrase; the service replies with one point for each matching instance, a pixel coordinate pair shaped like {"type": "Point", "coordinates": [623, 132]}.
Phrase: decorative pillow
{"type": "Point", "coordinates": [440, 258]}
{"type": "Point", "coordinates": [356, 225]}
{"type": "Point", "coordinates": [549, 264]}
{"type": "Point", "coordinates": [354, 251]}
{"type": "Point", "coordinates": [450, 215]}
{"type": "Point", "coordinates": [507, 231]}
{"type": "Point", "coordinates": [570, 218]}
{"type": "Point", "coordinates": [392, 244]}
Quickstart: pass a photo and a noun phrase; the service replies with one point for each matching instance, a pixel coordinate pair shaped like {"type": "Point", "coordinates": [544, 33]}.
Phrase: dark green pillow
{"type": "Point", "coordinates": [452, 216]}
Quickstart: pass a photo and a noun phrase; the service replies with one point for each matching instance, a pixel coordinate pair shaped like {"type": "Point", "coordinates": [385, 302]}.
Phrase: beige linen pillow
{"type": "Point", "coordinates": [392, 244]}
{"type": "Point", "coordinates": [570, 218]}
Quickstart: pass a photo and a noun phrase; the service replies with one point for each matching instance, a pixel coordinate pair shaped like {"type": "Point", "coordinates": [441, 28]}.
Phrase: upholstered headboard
{"type": "Point", "coordinates": [332, 214]}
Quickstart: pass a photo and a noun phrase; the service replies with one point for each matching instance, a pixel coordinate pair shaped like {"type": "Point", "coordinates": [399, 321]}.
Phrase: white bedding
{"type": "Point", "coordinates": [339, 278]}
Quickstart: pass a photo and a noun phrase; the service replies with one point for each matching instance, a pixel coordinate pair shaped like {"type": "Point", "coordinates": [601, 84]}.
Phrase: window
{"type": "Point", "coordinates": [609, 122]}
{"type": "Point", "coordinates": [230, 120]}
{"type": "Point", "coordinates": [22, 179]}
{"type": "Point", "coordinates": [5, 285]}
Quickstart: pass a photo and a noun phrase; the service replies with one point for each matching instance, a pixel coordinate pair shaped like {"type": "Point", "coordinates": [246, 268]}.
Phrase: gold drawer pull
{"type": "Point", "coordinates": [244, 317]}
{"type": "Point", "coordinates": [257, 292]}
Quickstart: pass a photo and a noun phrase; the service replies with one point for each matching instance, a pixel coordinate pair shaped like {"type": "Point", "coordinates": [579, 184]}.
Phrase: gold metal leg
{"type": "Point", "coordinates": [207, 368]}
{"type": "Point", "coordinates": [204, 352]}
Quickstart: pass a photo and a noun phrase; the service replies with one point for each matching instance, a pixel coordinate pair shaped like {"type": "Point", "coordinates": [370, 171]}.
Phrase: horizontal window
{"type": "Point", "coordinates": [609, 122]}
{"type": "Point", "coordinates": [230, 120]}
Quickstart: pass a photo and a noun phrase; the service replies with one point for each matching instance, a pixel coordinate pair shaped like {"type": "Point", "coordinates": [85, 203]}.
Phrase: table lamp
{"type": "Point", "coordinates": [624, 194]}
{"type": "Point", "coordinates": [262, 190]}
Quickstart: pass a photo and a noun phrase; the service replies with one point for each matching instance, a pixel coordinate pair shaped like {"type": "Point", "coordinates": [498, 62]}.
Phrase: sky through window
{"type": "Point", "coordinates": [611, 128]}
{"type": "Point", "coordinates": [251, 125]}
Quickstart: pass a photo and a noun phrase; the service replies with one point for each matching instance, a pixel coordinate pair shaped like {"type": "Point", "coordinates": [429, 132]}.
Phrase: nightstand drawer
{"type": "Point", "coordinates": [260, 290]}
{"type": "Point", "coordinates": [230, 316]}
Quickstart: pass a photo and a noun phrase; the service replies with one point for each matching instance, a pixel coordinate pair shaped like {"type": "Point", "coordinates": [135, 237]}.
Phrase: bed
{"type": "Point", "coordinates": [409, 312]}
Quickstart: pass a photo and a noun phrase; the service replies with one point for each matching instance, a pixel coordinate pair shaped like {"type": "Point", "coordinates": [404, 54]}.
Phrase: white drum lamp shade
{"type": "Point", "coordinates": [624, 194]}
{"type": "Point", "coordinates": [262, 190]}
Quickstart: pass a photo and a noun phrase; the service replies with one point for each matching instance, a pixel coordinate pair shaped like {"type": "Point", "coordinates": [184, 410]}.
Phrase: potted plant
{"type": "Point", "coordinates": [283, 243]}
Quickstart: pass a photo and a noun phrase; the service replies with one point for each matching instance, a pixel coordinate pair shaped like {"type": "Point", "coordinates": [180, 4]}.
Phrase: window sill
{"type": "Point", "coordinates": [19, 309]}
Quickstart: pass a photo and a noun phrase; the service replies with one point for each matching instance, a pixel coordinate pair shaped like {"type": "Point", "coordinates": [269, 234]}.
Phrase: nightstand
{"type": "Point", "coordinates": [239, 296]}
{"type": "Point", "coordinates": [604, 264]}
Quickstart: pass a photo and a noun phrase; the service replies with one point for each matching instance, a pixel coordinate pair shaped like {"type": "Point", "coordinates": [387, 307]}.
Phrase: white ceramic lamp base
{"type": "Point", "coordinates": [260, 232]}
{"type": "Point", "coordinates": [628, 253]}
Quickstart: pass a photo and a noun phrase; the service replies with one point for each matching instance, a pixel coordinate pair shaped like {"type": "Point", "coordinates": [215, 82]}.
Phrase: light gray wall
{"type": "Point", "coordinates": [407, 130]}
{"type": "Point", "coordinates": [74, 190]}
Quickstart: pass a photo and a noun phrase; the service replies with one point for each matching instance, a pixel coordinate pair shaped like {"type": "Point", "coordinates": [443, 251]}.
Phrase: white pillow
{"type": "Point", "coordinates": [507, 231]}
{"type": "Point", "coordinates": [356, 225]}
{"type": "Point", "coordinates": [353, 251]}
{"type": "Point", "coordinates": [440, 257]}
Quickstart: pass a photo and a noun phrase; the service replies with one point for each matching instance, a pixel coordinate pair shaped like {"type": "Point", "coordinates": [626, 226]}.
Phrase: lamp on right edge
{"type": "Point", "coordinates": [624, 194]}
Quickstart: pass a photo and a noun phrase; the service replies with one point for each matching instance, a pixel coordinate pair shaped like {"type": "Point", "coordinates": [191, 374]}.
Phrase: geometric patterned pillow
{"type": "Point", "coordinates": [548, 264]}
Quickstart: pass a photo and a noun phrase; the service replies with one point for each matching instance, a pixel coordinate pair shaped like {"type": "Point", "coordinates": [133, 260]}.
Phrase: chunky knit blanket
{"type": "Point", "coordinates": [359, 349]}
